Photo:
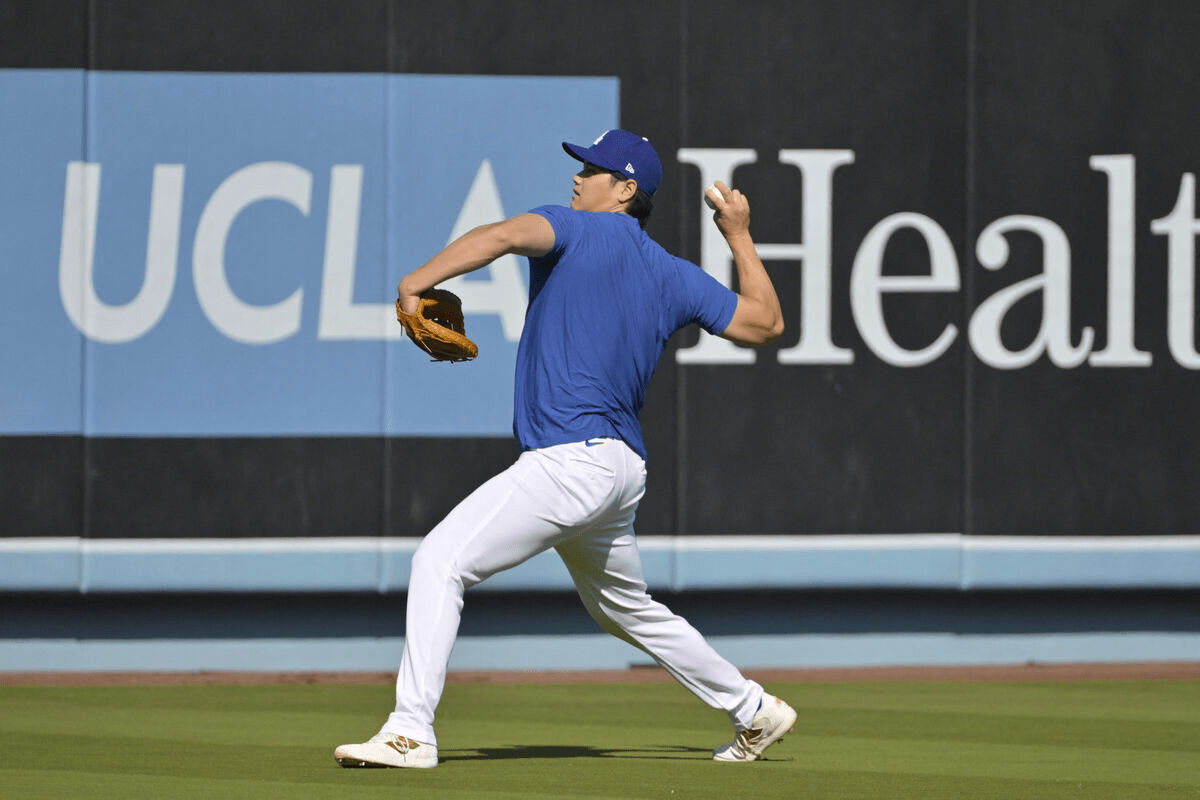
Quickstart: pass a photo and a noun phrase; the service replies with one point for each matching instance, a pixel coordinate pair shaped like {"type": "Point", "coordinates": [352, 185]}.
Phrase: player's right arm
{"type": "Point", "coordinates": [522, 235]}
{"type": "Point", "coordinates": [758, 319]}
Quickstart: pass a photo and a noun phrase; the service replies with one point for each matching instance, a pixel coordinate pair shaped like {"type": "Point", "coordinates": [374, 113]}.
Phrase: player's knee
{"type": "Point", "coordinates": [617, 617]}
{"type": "Point", "coordinates": [429, 564]}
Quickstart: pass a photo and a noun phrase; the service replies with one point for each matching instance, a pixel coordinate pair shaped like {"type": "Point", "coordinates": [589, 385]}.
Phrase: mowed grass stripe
{"type": "Point", "coordinates": [1107, 700]}
{"type": "Point", "coordinates": [363, 785]}
{"type": "Point", "coordinates": [871, 786]}
{"type": "Point", "coordinates": [1005, 729]}
{"type": "Point", "coordinates": [853, 740]}
{"type": "Point", "coordinates": [1062, 762]}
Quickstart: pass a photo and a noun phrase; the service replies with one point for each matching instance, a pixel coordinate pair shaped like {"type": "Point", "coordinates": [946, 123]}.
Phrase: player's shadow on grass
{"type": "Point", "coordinates": [572, 751]}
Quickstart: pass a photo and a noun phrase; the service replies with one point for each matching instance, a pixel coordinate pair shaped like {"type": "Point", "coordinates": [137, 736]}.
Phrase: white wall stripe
{"type": "Point", "coordinates": [929, 561]}
{"type": "Point", "coordinates": [599, 651]}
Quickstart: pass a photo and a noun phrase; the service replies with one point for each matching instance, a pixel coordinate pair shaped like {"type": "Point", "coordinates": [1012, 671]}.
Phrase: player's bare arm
{"type": "Point", "coordinates": [758, 319]}
{"type": "Point", "coordinates": [522, 235]}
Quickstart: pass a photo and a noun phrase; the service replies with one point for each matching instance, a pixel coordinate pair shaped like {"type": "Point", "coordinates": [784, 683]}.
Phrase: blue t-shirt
{"type": "Point", "coordinates": [602, 305]}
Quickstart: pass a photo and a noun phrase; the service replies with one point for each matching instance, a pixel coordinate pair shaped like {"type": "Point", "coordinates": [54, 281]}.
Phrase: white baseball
{"type": "Point", "coordinates": [709, 193]}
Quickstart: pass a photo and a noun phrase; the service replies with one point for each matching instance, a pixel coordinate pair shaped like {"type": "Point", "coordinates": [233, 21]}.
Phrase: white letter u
{"type": "Point", "coordinates": [76, 285]}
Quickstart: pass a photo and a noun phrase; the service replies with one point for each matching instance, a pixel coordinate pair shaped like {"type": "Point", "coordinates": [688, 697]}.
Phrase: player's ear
{"type": "Point", "coordinates": [628, 190]}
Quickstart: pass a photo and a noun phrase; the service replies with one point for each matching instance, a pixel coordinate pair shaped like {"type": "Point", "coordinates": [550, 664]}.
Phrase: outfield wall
{"type": "Point", "coordinates": [980, 218]}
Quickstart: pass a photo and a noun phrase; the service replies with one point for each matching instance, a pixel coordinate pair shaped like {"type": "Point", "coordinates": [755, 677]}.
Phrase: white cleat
{"type": "Point", "coordinates": [387, 750]}
{"type": "Point", "coordinates": [772, 721]}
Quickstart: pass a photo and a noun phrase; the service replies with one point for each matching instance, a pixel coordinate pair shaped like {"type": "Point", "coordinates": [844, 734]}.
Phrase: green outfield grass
{"type": "Point", "coordinates": [1118, 740]}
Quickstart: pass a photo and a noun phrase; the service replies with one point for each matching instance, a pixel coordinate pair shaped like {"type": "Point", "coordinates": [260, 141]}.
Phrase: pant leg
{"type": "Point", "coordinates": [537, 502]}
{"type": "Point", "coordinates": [605, 564]}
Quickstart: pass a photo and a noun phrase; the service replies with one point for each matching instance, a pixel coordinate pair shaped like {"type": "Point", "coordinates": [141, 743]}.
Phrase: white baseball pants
{"type": "Point", "coordinates": [580, 499]}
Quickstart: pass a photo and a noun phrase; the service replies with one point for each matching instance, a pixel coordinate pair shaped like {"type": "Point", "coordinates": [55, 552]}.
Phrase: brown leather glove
{"type": "Point", "coordinates": [438, 327]}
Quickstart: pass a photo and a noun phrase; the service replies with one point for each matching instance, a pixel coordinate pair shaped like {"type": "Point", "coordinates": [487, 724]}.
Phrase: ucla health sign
{"type": "Point", "coordinates": [217, 254]}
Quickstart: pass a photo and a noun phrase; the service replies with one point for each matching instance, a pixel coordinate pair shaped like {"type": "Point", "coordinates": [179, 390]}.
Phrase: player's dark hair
{"type": "Point", "coordinates": [640, 207]}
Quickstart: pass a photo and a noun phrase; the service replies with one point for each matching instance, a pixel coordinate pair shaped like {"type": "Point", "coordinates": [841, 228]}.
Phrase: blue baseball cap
{"type": "Point", "coordinates": [624, 152]}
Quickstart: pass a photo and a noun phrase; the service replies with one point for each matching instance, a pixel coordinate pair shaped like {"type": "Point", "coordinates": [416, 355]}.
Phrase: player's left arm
{"type": "Point", "coordinates": [758, 319]}
{"type": "Point", "coordinates": [522, 235]}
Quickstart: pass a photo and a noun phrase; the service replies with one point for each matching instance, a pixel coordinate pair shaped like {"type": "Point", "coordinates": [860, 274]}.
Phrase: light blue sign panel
{"type": "Point", "coordinates": [217, 254]}
{"type": "Point", "coordinates": [41, 366]}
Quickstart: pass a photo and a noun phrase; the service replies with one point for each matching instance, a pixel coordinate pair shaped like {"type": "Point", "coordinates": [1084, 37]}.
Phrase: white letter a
{"type": "Point", "coordinates": [505, 293]}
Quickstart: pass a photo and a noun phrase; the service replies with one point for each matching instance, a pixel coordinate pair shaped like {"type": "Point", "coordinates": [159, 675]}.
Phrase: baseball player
{"type": "Point", "coordinates": [603, 301]}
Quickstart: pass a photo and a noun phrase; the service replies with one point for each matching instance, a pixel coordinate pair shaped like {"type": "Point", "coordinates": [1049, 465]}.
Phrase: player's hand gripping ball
{"type": "Point", "coordinates": [438, 327]}
{"type": "Point", "coordinates": [709, 194]}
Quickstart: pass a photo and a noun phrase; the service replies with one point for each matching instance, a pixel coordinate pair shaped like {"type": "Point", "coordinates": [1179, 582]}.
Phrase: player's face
{"type": "Point", "coordinates": [596, 189]}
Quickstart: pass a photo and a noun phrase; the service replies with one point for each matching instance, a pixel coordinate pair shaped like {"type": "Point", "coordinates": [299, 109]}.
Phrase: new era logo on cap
{"type": "Point", "coordinates": [622, 151]}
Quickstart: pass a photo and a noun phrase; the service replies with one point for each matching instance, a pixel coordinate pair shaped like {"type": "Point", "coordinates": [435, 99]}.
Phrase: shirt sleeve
{"type": "Point", "coordinates": [710, 303]}
{"type": "Point", "coordinates": [563, 223]}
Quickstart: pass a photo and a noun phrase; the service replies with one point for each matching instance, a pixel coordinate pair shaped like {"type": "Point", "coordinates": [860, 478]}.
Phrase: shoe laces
{"type": "Point", "coordinates": [745, 740]}
{"type": "Point", "coordinates": [753, 734]}
{"type": "Point", "coordinates": [401, 744]}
